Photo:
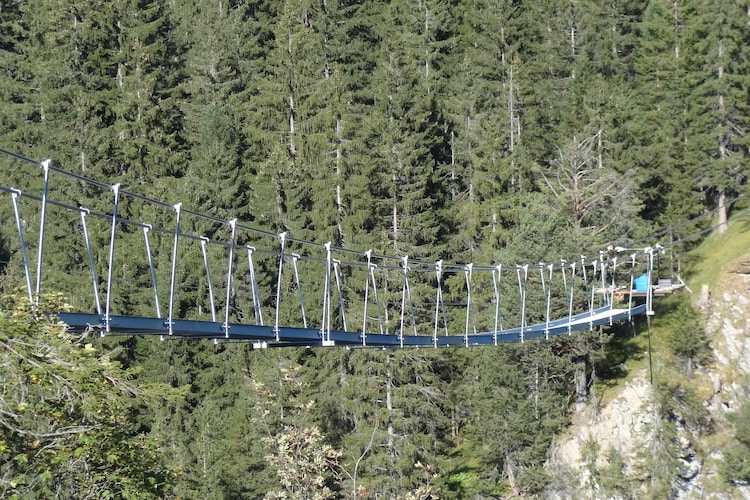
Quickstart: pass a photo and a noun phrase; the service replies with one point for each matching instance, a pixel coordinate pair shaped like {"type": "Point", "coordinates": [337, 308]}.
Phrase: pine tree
{"type": "Point", "coordinates": [13, 92]}
{"type": "Point", "coordinates": [215, 437]}
{"type": "Point", "coordinates": [218, 86]}
{"type": "Point", "coordinates": [143, 136]}
{"type": "Point", "coordinates": [665, 172]}
{"type": "Point", "coordinates": [485, 108]}
{"type": "Point", "coordinates": [718, 133]}
{"type": "Point", "coordinates": [383, 410]}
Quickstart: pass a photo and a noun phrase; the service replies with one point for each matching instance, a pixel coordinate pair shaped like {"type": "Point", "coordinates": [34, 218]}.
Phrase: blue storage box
{"type": "Point", "coordinates": [641, 283]}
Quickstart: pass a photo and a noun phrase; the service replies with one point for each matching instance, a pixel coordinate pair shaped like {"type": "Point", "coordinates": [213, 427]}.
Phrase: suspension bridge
{"type": "Point", "coordinates": [132, 265]}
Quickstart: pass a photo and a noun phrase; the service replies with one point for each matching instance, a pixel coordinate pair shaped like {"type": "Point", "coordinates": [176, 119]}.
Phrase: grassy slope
{"type": "Point", "coordinates": [712, 257]}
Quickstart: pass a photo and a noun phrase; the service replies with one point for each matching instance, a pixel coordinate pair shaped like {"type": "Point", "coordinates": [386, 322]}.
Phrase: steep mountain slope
{"type": "Point", "coordinates": [669, 439]}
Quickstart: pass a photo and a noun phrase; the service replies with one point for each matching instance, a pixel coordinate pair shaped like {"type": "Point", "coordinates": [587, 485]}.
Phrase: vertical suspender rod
{"type": "Point", "coordinates": [405, 261]}
{"type": "Point", "coordinates": [230, 263]}
{"type": "Point", "coordinates": [468, 271]}
{"type": "Point", "coordinates": [295, 259]}
{"type": "Point", "coordinates": [438, 299]}
{"type": "Point", "coordinates": [603, 268]}
{"type": "Point", "coordinates": [632, 287]}
{"type": "Point", "coordinates": [585, 279]}
{"type": "Point", "coordinates": [522, 289]}
{"type": "Point", "coordinates": [549, 298]}
{"type": "Point", "coordinates": [377, 297]}
{"type": "Point", "coordinates": [496, 285]}
{"type": "Point", "coordinates": [15, 193]}
{"type": "Point", "coordinates": [94, 279]}
{"type": "Point", "coordinates": [146, 229]}
{"type": "Point", "coordinates": [325, 327]}
{"type": "Point", "coordinates": [254, 285]}
{"type": "Point", "coordinates": [650, 291]}
{"type": "Point", "coordinates": [593, 293]}
{"type": "Point", "coordinates": [570, 303]}
{"type": "Point", "coordinates": [612, 294]}
{"type": "Point", "coordinates": [368, 254]}
{"type": "Point", "coordinates": [337, 275]}
{"type": "Point", "coordinates": [282, 238]}
{"type": "Point", "coordinates": [439, 303]}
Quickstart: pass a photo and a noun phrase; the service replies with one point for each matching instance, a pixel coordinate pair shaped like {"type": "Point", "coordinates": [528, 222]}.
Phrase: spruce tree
{"type": "Point", "coordinates": [665, 171]}
{"type": "Point", "coordinates": [718, 105]}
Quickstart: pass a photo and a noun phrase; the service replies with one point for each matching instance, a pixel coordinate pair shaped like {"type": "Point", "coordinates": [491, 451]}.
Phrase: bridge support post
{"type": "Point", "coordinates": [110, 264]}
{"type": "Point", "coordinates": [325, 323]}
{"type": "Point", "coordinates": [439, 305]}
{"type": "Point", "coordinates": [468, 271]}
{"type": "Point", "coordinates": [549, 298]}
{"type": "Point", "coordinates": [650, 292]}
{"type": "Point", "coordinates": [363, 335]}
{"type": "Point", "coordinates": [45, 165]}
{"type": "Point", "coordinates": [496, 276]}
{"type": "Point", "coordinates": [282, 238]}
{"type": "Point", "coordinates": [632, 287]}
{"type": "Point", "coordinates": [602, 270]}
{"type": "Point", "coordinates": [522, 292]}
{"type": "Point", "coordinates": [614, 274]}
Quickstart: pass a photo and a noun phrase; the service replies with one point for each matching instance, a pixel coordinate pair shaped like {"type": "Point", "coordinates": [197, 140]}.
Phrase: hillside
{"type": "Point", "coordinates": [612, 447]}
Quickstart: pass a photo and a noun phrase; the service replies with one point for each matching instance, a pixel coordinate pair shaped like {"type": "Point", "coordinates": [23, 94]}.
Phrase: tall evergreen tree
{"type": "Point", "coordinates": [384, 410]}
{"type": "Point", "coordinates": [720, 60]}
{"type": "Point", "coordinates": [221, 42]}
{"type": "Point", "coordinates": [146, 136]}
{"type": "Point", "coordinates": [485, 106]}
{"type": "Point", "coordinates": [406, 138]}
{"type": "Point", "coordinates": [664, 171]}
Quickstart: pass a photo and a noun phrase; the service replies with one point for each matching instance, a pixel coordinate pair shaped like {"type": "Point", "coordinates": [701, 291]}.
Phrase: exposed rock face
{"type": "Point", "coordinates": [729, 321]}
{"type": "Point", "coordinates": [626, 423]}
{"type": "Point", "coordinates": [727, 324]}
{"type": "Point", "coordinates": [622, 424]}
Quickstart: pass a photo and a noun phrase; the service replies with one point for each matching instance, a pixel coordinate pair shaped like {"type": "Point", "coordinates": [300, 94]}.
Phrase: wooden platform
{"type": "Point", "coordinates": [662, 288]}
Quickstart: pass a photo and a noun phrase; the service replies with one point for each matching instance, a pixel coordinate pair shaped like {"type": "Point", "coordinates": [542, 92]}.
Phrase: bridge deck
{"type": "Point", "coordinates": [265, 336]}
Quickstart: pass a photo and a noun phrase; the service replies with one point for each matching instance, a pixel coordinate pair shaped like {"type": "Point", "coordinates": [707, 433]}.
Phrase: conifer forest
{"type": "Point", "coordinates": [480, 131]}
